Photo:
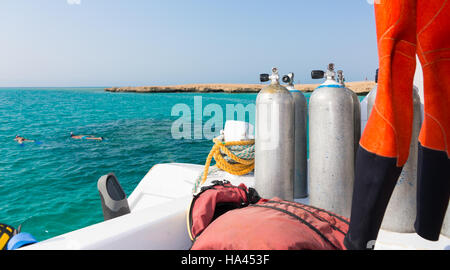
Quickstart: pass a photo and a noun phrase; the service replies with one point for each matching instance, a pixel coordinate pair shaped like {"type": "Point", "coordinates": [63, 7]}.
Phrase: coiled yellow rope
{"type": "Point", "coordinates": [236, 158]}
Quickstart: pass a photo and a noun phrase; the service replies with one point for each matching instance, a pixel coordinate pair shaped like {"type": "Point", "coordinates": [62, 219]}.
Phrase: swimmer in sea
{"type": "Point", "coordinates": [85, 137]}
{"type": "Point", "coordinates": [21, 139]}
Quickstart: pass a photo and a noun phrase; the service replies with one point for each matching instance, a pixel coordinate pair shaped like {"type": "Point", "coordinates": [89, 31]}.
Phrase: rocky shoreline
{"type": "Point", "coordinates": [360, 88]}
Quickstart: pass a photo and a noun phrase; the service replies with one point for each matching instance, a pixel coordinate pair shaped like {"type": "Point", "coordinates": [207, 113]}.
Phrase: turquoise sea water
{"type": "Point", "coordinates": [51, 187]}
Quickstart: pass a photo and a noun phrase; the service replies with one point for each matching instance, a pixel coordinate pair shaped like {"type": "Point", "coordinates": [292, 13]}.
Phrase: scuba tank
{"type": "Point", "coordinates": [372, 95]}
{"type": "Point", "coordinates": [274, 140]}
{"type": "Point", "coordinates": [357, 112]}
{"type": "Point", "coordinates": [401, 211]}
{"type": "Point", "coordinates": [332, 141]}
{"type": "Point", "coordinates": [300, 160]}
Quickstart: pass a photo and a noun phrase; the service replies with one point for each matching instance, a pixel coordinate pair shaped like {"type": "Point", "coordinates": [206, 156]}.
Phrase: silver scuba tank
{"type": "Point", "coordinates": [300, 141]}
{"type": "Point", "coordinates": [372, 95]}
{"type": "Point", "coordinates": [401, 211]}
{"type": "Point", "coordinates": [357, 114]}
{"type": "Point", "coordinates": [274, 140]}
{"type": "Point", "coordinates": [331, 144]}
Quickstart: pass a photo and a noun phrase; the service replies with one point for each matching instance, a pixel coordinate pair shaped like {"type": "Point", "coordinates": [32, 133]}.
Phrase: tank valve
{"type": "Point", "coordinates": [317, 74]}
{"type": "Point", "coordinates": [341, 78]}
{"type": "Point", "coordinates": [273, 78]}
{"type": "Point", "coordinates": [289, 79]}
{"type": "Point", "coordinates": [331, 67]}
{"type": "Point", "coordinates": [330, 74]}
{"type": "Point", "coordinates": [264, 77]}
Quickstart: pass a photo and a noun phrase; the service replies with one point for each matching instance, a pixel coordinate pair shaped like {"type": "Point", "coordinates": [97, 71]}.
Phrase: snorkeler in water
{"type": "Point", "coordinates": [85, 137]}
{"type": "Point", "coordinates": [21, 139]}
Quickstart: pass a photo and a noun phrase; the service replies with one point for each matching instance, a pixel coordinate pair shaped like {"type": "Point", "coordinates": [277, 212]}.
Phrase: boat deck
{"type": "Point", "coordinates": [158, 218]}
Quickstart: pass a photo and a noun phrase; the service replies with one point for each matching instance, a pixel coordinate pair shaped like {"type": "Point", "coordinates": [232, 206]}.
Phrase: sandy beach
{"type": "Point", "coordinates": [362, 87]}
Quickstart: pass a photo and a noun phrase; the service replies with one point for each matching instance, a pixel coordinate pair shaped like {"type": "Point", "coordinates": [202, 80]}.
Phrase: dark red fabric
{"type": "Point", "coordinates": [274, 225]}
{"type": "Point", "coordinates": [204, 204]}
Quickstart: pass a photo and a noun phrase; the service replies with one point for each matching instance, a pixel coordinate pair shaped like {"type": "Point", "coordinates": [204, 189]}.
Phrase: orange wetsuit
{"type": "Point", "coordinates": [406, 28]}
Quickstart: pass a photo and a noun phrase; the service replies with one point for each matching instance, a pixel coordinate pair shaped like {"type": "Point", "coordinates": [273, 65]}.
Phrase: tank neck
{"type": "Point", "coordinates": [331, 80]}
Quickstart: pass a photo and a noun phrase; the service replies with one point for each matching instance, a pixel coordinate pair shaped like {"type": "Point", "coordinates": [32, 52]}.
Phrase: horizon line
{"type": "Point", "coordinates": [145, 85]}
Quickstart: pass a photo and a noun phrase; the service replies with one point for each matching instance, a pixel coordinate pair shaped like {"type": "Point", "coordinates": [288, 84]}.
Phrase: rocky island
{"type": "Point", "coordinates": [359, 88]}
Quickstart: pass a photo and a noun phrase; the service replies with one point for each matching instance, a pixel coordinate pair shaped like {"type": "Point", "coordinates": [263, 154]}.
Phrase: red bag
{"type": "Point", "coordinates": [212, 201]}
{"type": "Point", "coordinates": [271, 225]}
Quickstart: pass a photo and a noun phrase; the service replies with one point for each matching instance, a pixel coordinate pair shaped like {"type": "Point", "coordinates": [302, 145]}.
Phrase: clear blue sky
{"type": "Point", "coordinates": [160, 42]}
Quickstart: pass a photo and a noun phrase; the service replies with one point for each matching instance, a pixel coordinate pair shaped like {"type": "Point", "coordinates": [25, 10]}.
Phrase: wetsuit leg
{"type": "Point", "coordinates": [384, 145]}
{"type": "Point", "coordinates": [433, 49]}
